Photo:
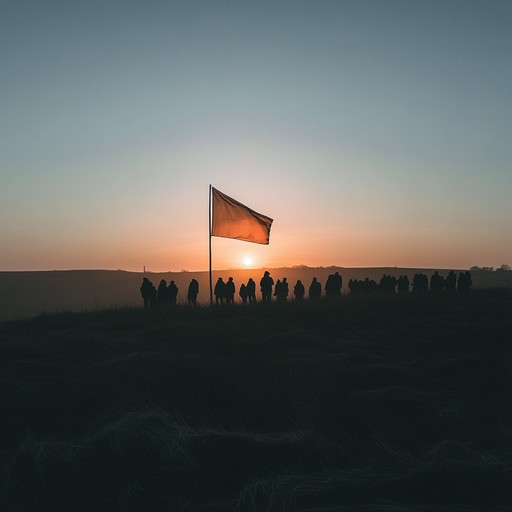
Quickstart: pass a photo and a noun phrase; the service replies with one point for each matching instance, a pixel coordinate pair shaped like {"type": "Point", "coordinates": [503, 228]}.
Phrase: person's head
{"type": "Point", "coordinates": [172, 282]}
{"type": "Point", "coordinates": [267, 273]}
{"type": "Point", "coordinates": [230, 279]}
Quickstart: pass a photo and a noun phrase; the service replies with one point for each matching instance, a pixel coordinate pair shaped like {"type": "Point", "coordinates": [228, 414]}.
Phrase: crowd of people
{"type": "Point", "coordinates": [224, 291]}
{"type": "Point", "coordinates": [420, 283]}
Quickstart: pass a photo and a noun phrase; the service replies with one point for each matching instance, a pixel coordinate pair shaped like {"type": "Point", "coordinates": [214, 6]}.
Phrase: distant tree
{"type": "Point", "coordinates": [482, 269]}
{"type": "Point", "coordinates": [504, 268]}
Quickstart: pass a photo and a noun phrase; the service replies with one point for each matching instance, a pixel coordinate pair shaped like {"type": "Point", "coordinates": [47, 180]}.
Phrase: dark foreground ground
{"type": "Point", "coordinates": [366, 404]}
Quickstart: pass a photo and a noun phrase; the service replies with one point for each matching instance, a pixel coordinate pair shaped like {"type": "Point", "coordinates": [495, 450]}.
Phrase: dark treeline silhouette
{"type": "Point", "coordinates": [224, 292]}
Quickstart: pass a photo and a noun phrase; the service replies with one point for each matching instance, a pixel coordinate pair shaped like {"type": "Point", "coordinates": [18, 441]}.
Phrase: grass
{"type": "Point", "coordinates": [363, 404]}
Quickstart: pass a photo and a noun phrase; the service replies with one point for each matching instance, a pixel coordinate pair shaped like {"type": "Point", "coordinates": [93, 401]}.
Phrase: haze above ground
{"type": "Point", "coordinates": [376, 134]}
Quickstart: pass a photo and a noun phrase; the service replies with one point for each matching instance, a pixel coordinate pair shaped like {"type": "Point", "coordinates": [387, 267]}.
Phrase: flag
{"type": "Point", "coordinates": [231, 219]}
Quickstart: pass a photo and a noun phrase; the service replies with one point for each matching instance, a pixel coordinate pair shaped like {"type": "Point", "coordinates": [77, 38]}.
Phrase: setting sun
{"type": "Point", "coordinates": [247, 261]}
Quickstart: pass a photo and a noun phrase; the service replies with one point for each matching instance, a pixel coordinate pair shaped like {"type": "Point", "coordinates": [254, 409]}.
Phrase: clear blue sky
{"type": "Point", "coordinates": [375, 133]}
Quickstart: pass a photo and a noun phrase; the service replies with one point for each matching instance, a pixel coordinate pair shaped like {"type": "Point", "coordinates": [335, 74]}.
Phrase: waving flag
{"type": "Point", "coordinates": [231, 219]}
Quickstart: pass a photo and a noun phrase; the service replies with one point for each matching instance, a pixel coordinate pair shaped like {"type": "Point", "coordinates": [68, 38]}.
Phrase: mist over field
{"type": "Point", "coordinates": [28, 294]}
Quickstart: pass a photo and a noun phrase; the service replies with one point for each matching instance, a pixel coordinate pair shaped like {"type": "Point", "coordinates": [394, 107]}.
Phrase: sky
{"type": "Point", "coordinates": [374, 133]}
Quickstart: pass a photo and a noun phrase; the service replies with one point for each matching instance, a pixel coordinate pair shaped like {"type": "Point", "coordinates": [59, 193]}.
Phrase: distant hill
{"type": "Point", "coordinates": [28, 294]}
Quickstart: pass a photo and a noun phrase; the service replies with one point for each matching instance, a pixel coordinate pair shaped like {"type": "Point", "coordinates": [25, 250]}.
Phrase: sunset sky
{"type": "Point", "coordinates": [374, 133]}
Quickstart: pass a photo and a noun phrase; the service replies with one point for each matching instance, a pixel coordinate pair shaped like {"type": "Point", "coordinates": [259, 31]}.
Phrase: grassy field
{"type": "Point", "coordinates": [362, 404]}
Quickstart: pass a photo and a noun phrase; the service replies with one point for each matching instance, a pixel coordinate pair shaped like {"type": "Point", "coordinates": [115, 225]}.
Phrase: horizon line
{"type": "Point", "coordinates": [293, 267]}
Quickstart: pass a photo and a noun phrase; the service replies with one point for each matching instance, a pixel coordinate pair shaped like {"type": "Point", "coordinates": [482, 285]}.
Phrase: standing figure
{"type": "Point", "coordinates": [281, 292]}
{"type": "Point", "coordinates": [277, 289]}
{"type": "Point", "coordinates": [315, 289]}
{"type": "Point", "coordinates": [148, 292]}
{"type": "Point", "coordinates": [329, 286]}
{"type": "Point", "coordinates": [219, 291]}
{"type": "Point", "coordinates": [266, 284]}
{"type": "Point", "coordinates": [467, 280]}
{"type": "Point", "coordinates": [298, 291]}
{"type": "Point", "coordinates": [251, 291]}
{"type": "Point", "coordinates": [403, 284]}
{"type": "Point", "coordinates": [420, 283]}
{"type": "Point", "coordinates": [193, 290]}
{"type": "Point", "coordinates": [162, 293]}
{"type": "Point", "coordinates": [450, 281]}
{"type": "Point", "coordinates": [337, 284]}
{"type": "Point", "coordinates": [243, 293]}
{"type": "Point", "coordinates": [434, 282]}
{"type": "Point", "coordinates": [464, 282]}
{"type": "Point", "coordinates": [229, 291]}
{"type": "Point", "coordinates": [172, 293]}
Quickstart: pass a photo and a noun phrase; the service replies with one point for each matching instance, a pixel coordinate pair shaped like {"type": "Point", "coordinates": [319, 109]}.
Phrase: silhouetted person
{"type": "Point", "coordinates": [251, 290]}
{"type": "Point", "coordinates": [266, 284]}
{"type": "Point", "coordinates": [172, 293]}
{"type": "Point", "coordinates": [403, 284]}
{"type": "Point", "coordinates": [329, 287]}
{"type": "Point", "coordinates": [357, 287]}
{"type": "Point", "coordinates": [229, 291]}
{"type": "Point", "coordinates": [337, 284]}
{"type": "Point", "coordinates": [299, 291]}
{"type": "Point", "coordinates": [219, 291]}
{"type": "Point", "coordinates": [148, 292]}
{"type": "Point", "coordinates": [333, 285]}
{"type": "Point", "coordinates": [468, 281]}
{"type": "Point", "coordinates": [315, 289]}
{"type": "Point", "coordinates": [243, 293]}
{"type": "Point", "coordinates": [464, 282]}
{"type": "Point", "coordinates": [162, 297]}
{"type": "Point", "coordinates": [420, 283]}
{"type": "Point", "coordinates": [436, 282]}
{"type": "Point", "coordinates": [277, 289]}
{"type": "Point", "coordinates": [193, 290]}
{"type": "Point", "coordinates": [451, 281]}
{"type": "Point", "coordinates": [387, 284]}
{"type": "Point", "coordinates": [282, 290]}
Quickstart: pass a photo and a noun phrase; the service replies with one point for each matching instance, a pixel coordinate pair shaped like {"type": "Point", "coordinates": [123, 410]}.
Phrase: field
{"type": "Point", "coordinates": [380, 403]}
{"type": "Point", "coordinates": [28, 294]}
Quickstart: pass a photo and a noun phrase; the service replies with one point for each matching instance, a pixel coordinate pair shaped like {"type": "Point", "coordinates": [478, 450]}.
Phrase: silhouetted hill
{"type": "Point", "coordinates": [27, 294]}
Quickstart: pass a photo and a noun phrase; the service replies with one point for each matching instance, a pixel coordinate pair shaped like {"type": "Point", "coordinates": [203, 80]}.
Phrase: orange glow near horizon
{"type": "Point", "coordinates": [288, 247]}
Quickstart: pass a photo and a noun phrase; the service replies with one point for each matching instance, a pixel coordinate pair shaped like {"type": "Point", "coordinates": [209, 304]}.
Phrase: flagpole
{"type": "Point", "coordinates": [210, 241]}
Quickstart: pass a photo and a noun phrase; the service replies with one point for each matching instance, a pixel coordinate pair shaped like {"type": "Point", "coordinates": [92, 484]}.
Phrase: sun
{"type": "Point", "coordinates": [247, 261]}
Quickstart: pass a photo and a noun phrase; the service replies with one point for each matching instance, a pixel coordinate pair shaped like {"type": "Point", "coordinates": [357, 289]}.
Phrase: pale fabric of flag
{"type": "Point", "coordinates": [231, 219]}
